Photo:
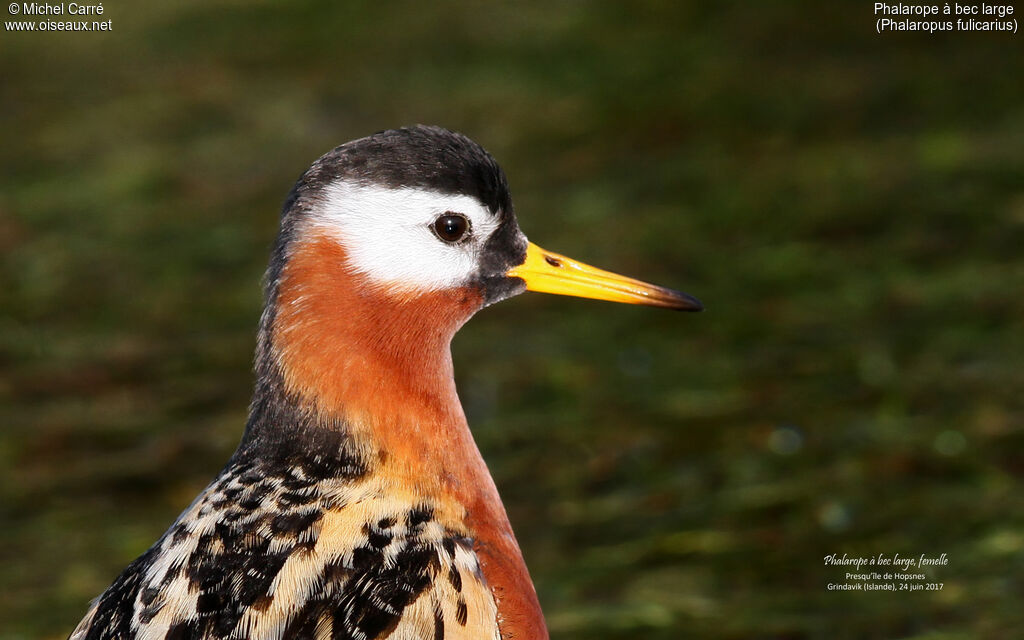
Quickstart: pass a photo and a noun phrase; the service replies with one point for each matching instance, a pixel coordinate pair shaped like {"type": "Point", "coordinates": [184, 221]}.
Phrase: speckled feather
{"type": "Point", "coordinates": [267, 552]}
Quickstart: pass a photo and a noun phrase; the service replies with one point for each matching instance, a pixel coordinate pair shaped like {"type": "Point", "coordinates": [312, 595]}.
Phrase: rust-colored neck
{"type": "Point", "coordinates": [381, 362]}
{"type": "Point", "coordinates": [378, 359]}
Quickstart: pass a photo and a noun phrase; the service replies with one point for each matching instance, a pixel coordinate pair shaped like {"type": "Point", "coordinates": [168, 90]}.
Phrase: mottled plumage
{"type": "Point", "coordinates": [317, 550]}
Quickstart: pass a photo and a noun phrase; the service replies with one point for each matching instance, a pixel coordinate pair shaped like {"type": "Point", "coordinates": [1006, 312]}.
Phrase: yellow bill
{"type": "Point", "coordinates": [549, 272]}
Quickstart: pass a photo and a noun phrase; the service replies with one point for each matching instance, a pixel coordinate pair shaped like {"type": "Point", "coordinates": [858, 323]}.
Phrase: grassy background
{"type": "Point", "coordinates": [850, 207]}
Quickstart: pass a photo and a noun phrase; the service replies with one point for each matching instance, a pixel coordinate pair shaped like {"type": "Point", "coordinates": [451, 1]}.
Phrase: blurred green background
{"type": "Point", "coordinates": [849, 206]}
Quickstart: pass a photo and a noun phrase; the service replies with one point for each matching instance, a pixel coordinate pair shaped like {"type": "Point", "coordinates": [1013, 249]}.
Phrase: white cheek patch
{"type": "Point", "coordinates": [387, 236]}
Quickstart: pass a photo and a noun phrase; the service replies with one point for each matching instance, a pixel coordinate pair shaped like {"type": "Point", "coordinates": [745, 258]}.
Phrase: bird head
{"type": "Point", "coordinates": [423, 211]}
{"type": "Point", "coordinates": [388, 244]}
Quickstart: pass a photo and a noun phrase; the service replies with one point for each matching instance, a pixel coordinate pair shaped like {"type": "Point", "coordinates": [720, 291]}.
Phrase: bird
{"type": "Point", "coordinates": [357, 505]}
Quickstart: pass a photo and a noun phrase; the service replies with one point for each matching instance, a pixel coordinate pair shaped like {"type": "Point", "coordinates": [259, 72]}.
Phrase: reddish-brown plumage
{"type": "Point", "coordinates": [381, 360]}
{"type": "Point", "coordinates": [520, 616]}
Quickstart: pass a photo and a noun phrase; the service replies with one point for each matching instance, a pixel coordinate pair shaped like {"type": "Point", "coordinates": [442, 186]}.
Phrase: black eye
{"type": "Point", "coordinates": [451, 227]}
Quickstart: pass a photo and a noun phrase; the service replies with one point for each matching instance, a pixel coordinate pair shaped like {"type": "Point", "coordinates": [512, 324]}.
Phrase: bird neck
{"type": "Point", "coordinates": [343, 368]}
{"type": "Point", "coordinates": [376, 363]}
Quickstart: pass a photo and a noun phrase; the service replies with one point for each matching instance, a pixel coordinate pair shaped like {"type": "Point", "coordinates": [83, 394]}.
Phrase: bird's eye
{"type": "Point", "coordinates": [451, 227]}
